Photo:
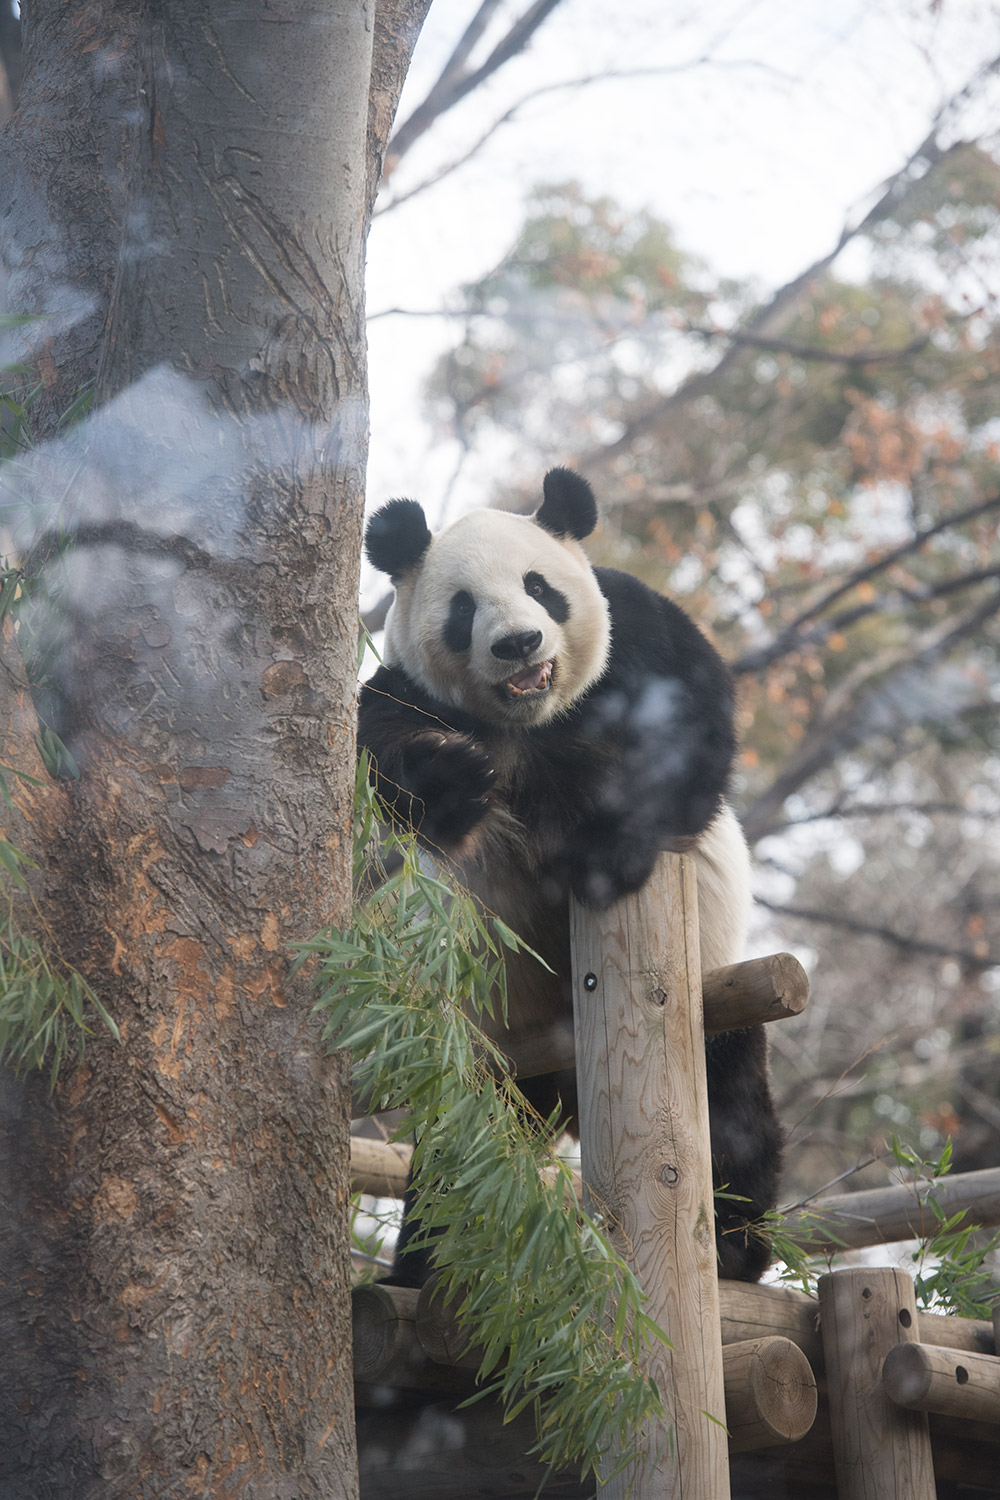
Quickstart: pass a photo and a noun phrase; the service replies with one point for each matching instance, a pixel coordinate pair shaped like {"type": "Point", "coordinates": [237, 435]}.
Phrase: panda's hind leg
{"type": "Point", "coordinates": [746, 1150]}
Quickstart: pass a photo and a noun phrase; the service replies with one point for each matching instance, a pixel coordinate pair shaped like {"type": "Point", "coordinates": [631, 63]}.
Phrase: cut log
{"type": "Point", "coordinates": [387, 1350]}
{"type": "Point", "coordinates": [744, 994]}
{"type": "Point", "coordinates": [926, 1377]}
{"type": "Point", "coordinates": [770, 1393]}
{"type": "Point", "coordinates": [379, 1167]}
{"type": "Point", "coordinates": [383, 1323]}
{"type": "Point", "coordinates": [881, 1216]}
{"type": "Point", "coordinates": [439, 1331]}
{"type": "Point", "coordinates": [754, 992]}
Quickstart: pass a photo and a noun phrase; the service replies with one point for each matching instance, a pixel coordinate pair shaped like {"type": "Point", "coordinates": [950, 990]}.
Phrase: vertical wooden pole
{"type": "Point", "coordinates": [644, 1137]}
{"type": "Point", "coordinates": [881, 1451]}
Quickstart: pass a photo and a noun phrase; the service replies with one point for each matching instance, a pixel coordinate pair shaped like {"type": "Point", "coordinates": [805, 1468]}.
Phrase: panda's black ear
{"type": "Point", "coordinates": [397, 537]}
{"type": "Point", "coordinates": [568, 507]}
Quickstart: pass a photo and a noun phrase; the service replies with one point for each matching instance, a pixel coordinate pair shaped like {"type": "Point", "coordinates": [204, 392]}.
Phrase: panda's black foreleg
{"type": "Point", "coordinates": [412, 1264]}
{"type": "Point", "coordinates": [746, 1150]}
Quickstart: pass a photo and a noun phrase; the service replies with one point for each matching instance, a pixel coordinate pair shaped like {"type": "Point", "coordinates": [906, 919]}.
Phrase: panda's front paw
{"type": "Point", "coordinates": [450, 778]}
{"type": "Point", "coordinates": [602, 874]}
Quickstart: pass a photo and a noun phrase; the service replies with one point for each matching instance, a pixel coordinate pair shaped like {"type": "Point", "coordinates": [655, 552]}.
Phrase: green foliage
{"type": "Point", "coordinates": [557, 1313]}
{"type": "Point", "coordinates": [950, 1272]}
{"type": "Point", "coordinates": [46, 1006]}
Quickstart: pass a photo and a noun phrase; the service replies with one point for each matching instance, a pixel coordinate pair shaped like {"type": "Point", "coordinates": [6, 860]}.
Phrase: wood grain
{"type": "Point", "coordinates": [644, 1139]}
{"type": "Point", "coordinates": [881, 1451]}
{"type": "Point", "coordinates": [927, 1377]}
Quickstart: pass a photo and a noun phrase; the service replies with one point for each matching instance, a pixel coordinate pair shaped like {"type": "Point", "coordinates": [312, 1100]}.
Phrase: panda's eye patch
{"type": "Point", "coordinates": [554, 603]}
{"type": "Point", "coordinates": [458, 626]}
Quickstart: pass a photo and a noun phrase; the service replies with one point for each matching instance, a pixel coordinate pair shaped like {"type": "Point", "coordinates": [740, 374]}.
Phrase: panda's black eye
{"type": "Point", "coordinates": [551, 600]}
{"type": "Point", "coordinates": [458, 626]}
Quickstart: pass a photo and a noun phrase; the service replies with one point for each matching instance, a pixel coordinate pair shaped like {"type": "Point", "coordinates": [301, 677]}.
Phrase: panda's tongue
{"type": "Point", "coordinates": [531, 680]}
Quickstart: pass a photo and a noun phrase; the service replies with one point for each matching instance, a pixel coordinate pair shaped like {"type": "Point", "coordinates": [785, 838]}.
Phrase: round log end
{"type": "Point", "coordinates": [770, 1393]}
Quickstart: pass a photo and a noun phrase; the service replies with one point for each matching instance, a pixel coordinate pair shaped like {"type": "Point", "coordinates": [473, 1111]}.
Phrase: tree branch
{"type": "Point", "coordinates": [790, 638]}
{"type": "Point", "coordinates": [847, 721]}
{"type": "Point", "coordinates": [900, 940]}
{"type": "Point", "coordinates": [455, 81]}
{"type": "Point", "coordinates": [808, 351]}
{"type": "Point", "coordinates": [885, 809]}
{"type": "Point", "coordinates": [611, 76]}
{"type": "Point", "coordinates": [767, 321]}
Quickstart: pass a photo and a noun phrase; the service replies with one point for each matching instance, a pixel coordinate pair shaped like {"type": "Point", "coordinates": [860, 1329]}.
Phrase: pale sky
{"type": "Point", "coordinates": [756, 156]}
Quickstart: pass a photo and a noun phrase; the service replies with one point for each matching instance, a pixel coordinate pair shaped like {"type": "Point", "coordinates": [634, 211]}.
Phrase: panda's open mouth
{"type": "Point", "coordinates": [529, 683]}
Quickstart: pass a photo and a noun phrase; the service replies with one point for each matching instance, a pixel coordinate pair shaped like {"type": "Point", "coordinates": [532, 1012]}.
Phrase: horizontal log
{"type": "Point", "coordinates": [439, 1331]}
{"type": "Point", "coordinates": [750, 1310]}
{"type": "Point", "coordinates": [752, 993]}
{"type": "Point", "coordinates": [745, 994]}
{"type": "Point", "coordinates": [881, 1216]}
{"type": "Point", "coordinates": [926, 1377]}
{"type": "Point", "coordinates": [770, 1393]}
{"type": "Point", "coordinates": [387, 1350]}
{"type": "Point", "coordinates": [382, 1320]}
{"type": "Point", "coordinates": [409, 1340]}
{"type": "Point", "coordinates": [379, 1167]}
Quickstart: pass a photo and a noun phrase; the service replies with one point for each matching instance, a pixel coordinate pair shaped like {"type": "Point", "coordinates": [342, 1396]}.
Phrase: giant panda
{"type": "Point", "coordinates": [550, 727]}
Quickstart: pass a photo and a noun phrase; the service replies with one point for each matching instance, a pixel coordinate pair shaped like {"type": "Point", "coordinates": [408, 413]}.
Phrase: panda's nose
{"type": "Point", "coordinates": [517, 647]}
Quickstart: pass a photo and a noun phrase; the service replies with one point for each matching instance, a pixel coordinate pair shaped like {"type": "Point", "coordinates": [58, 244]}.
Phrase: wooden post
{"type": "Point", "coordinates": [881, 1451]}
{"type": "Point", "coordinates": [646, 1157]}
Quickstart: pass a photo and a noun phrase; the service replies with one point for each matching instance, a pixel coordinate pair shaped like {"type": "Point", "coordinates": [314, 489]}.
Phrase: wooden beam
{"type": "Point", "coordinates": [745, 994]}
{"type": "Point", "coordinates": [749, 1310]}
{"type": "Point", "coordinates": [925, 1377]}
{"type": "Point", "coordinates": [409, 1340]}
{"type": "Point", "coordinates": [379, 1167]}
{"type": "Point", "coordinates": [646, 1157]}
{"type": "Point", "coordinates": [884, 1215]}
{"type": "Point", "coordinates": [754, 992]}
{"type": "Point", "coordinates": [880, 1450]}
{"type": "Point", "coordinates": [770, 1393]}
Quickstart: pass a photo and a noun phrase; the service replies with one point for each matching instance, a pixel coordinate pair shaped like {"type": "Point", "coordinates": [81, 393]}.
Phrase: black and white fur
{"type": "Point", "coordinates": [551, 727]}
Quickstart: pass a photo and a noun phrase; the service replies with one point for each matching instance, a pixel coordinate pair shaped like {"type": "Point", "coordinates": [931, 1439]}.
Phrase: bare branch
{"type": "Point", "coordinates": [884, 810]}
{"type": "Point", "coordinates": [767, 321]}
{"type": "Point", "coordinates": [846, 720]}
{"type": "Point", "coordinates": [901, 940]}
{"type": "Point", "coordinates": [790, 638]}
{"type": "Point", "coordinates": [455, 82]}
{"type": "Point", "coordinates": [563, 86]}
{"type": "Point", "coordinates": [809, 351]}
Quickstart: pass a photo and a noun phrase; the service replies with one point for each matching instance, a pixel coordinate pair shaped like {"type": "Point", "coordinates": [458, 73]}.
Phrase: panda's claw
{"type": "Point", "coordinates": [451, 777]}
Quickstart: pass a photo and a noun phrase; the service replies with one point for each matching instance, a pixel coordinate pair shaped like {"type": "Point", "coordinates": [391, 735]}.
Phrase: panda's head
{"type": "Point", "coordinates": [500, 615]}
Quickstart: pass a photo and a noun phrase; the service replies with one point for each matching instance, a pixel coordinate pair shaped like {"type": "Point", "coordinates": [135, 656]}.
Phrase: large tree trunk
{"type": "Point", "coordinates": [174, 1314]}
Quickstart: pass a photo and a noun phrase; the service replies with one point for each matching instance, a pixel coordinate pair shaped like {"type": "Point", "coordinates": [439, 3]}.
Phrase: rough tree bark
{"type": "Point", "coordinates": [187, 189]}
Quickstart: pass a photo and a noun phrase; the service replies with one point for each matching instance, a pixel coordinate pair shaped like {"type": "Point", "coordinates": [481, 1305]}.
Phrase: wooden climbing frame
{"type": "Point", "coordinates": [909, 1402]}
